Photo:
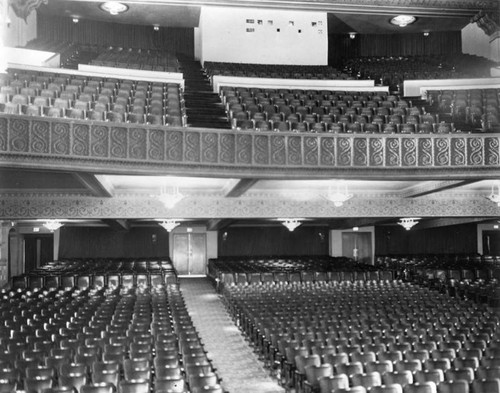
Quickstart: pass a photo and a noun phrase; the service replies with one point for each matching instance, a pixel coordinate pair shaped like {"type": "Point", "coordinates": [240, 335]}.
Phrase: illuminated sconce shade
{"type": "Point", "coordinates": [114, 7]}
{"type": "Point", "coordinates": [53, 225]}
{"type": "Point", "coordinates": [156, 27]}
{"type": "Point", "coordinates": [495, 195]}
{"type": "Point", "coordinates": [338, 193]}
{"type": "Point", "coordinates": [170, 196]}
{"type": "Point", "coordinates": [169, 225]}
{"type": "Point", "coordinates": [403, 20]}
{"type": "Point", "coordinates": [408, 223]}
{"type": "Point", "coordinates": [290, 223]}
{"type": "Point", "coordinates": [352, 36]}
{"type": "Point", "coordinates": [76, 20]}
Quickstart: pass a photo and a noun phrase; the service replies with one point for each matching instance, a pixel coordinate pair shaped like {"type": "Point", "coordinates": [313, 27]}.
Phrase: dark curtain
{"type": "Point", "coordinates": [395, 240]}
{"type": "Point", "coordinates": [340, 46]}
{"type": "Point", "coordinates": [38, 247]}
{"type": "Point", "coordinates": [251, 241]}
{"type": "Point", "coordinates": [491, 242]}
{"type": "Point", "coordinates": [92, 242]}
{"type": "Point", "coordinates": [173, 39]}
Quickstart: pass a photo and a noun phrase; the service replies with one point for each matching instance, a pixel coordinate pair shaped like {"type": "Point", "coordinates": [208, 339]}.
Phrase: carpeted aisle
{"type": "Point", "coordinates": [234, 359]}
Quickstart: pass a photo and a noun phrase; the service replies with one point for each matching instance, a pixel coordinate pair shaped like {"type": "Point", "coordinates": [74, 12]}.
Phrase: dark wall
{"type": "Point", "coordinates": [173, 39]}
{"type": "Point", "coordinates": [437, 43]}
{"type": "Point", "coordinates": [250, 241]}
{"type": "Point", "coordinates": [457, 239]}
{"type": "Point", "coordinates": [88, 242]}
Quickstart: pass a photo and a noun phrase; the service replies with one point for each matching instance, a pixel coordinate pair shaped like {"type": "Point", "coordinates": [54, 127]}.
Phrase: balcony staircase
{"type": "Point", "coordinates": [204, 108]}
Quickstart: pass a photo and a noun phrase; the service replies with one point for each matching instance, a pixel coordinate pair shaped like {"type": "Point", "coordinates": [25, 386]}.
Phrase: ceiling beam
{"type": "Point", "coordinates": [427, 188]}
{"type": "Point", "coordinates": [218, 224]}
{"type": "Point", "coordinates": [445, 222]}
{"type": "Point", "coordinates": [92, 184]}
{"type": "Point", "coordinates": [241, 187]}
{"type": "Point", "coordinates": [350, 223]}
{"type": "Point", "coordinates": [117, 225]}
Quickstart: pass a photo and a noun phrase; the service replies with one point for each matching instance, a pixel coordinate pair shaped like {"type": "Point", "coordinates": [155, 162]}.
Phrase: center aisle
{"type": "Point", "coordinates": [236, 363]}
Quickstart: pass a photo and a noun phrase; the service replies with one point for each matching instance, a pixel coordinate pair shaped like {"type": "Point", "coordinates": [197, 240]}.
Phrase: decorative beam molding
{"type": "Point", "coordinates": [32, 206]}
{"type": "Point", "coordinates": [417, 7]}
{"type": "Point", "coordinates": [75, 145]}
{"type": "Point", "coordinates": [488, 22]}
{"type": "Point", "coordinates": [23, 8]}
{"type": "Point", "coordinates": [444, 222]}
{"type": "Point", "coordinates": [358, 222]}
{"type": "Point", "coordinates": [433, 187]}
{"type": "Point", "coordinates": [241, 187]}
{"type": "Point", "coordinates": [117, 225]}
{"type": "Point", "coordinates": [92, 183]}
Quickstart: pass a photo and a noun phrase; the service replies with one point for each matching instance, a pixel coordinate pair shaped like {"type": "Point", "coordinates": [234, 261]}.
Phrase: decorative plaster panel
{"type": "Point", "coordinates": [129, 206]}
{"type": "Point", "coordinates": [128, 148]}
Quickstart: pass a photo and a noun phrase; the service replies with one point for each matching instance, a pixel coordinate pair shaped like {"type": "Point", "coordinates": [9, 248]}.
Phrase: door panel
{"type": "Point", "coordinates": [197, 257]}
{"type": "Point", "coordinates": [181, 257]}
{"type": "Point", "coordinates": [189, 256]}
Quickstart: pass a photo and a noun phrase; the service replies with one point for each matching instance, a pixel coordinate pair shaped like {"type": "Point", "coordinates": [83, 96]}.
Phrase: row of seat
{"type": "Point", "coordinates": [94, 115]}
{"type": "Point", "coordinates": [97, 273]}
{"type": "Point", "coordinates": [473, 106]}
{"type": "Point", "coordinates": [233, 271]}
{"type": "Point", "coordinates": [273, 70]}
{"type": "Point", "coordinates": [366, 332]}
{"type": "Point", "coordinates": [136, 58]}
{"type": "Point", "coordinates": [341, 127]}
{"type": "Point", "coordinates": [101, 100]}
{"type": "Point", "coordinates": [258, 93]}
{"type": "Point", "coordinates": [102, 340]}
{"type": "Point", "coordinates": [392, 71]}
{"type": "Point", "coordinates": [398, 115]}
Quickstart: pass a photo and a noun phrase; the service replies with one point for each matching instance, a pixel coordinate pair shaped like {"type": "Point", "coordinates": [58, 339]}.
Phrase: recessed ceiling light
{"type": "Point", "coordinates": [403, 20]}
{"type": "Point", "coordinates": [113, 7]}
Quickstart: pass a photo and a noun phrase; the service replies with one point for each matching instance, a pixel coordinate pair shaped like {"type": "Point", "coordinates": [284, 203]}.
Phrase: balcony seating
{"type": "Point", "coordinates": [88, 99]}
{"type": "Point", "coordinates": [313, 112]}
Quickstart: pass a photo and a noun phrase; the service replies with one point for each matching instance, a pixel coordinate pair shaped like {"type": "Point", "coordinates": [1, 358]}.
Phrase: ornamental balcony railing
{"type": "Point", "coordinates": [122, 147]}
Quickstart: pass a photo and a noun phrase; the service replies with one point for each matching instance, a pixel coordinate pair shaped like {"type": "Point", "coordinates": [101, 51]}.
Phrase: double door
{"type": "Point", "coordinates": [357, 245]}
{"type": "Point", "coordinates": [190, 253]}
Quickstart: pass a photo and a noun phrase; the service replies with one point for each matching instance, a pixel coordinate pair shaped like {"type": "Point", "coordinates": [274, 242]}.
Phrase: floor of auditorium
{"type": "Point", "coordinates": [236, 363]}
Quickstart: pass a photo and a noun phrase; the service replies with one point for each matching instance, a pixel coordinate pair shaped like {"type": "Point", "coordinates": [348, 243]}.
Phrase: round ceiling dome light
{"type": "Point", "coordinates": [403, 20]}
{"type": "Point", "coordinates": [114, 7]}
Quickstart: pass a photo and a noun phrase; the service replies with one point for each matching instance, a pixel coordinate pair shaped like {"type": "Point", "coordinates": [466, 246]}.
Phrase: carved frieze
{"type": "Point", "coordinates": [132, 206]}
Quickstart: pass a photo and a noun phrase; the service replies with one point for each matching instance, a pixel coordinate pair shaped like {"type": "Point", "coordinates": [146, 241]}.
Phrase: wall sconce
{"type": "Point", "coordinates": [408, 223]}
{"type": "Point", "coordinates": [352, 35]}
{"type": "Point", "coordinates": [53, 225]}
{"type": "Point", "coordinates": [76, 20]}
{"type": "Point", "coordinates": [156, 27]}
{"type": "Point", "coordinates": [169, 225]}
{"type": "Point", "coordinates": [426, 34]}
{"type": "Point", "coordinates": [290, 223]}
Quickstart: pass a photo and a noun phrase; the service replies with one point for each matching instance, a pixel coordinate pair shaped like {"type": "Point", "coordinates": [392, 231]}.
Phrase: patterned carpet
{"type": "Point", "coordinates": [236, 363]}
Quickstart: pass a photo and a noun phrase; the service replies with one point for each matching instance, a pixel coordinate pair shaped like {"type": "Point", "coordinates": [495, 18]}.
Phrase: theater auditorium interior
{"type": "Point", "coordinates": [242, 196]}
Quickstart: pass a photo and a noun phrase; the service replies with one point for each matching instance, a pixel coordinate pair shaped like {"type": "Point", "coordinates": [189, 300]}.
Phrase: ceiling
{"type": "Point", "coordinates": [21, 182]}
{"type": "Point", "coordinates": [363, 20]}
